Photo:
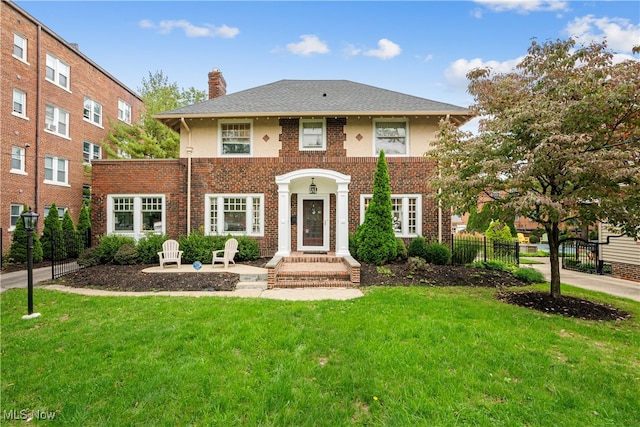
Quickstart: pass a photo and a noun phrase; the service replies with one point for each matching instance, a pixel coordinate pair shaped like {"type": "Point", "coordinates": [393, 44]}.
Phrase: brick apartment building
{"type": "Point", "coordinates": [55, 109]}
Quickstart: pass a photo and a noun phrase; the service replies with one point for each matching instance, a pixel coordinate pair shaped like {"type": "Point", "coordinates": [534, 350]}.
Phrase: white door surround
{"type": "Point", "coordinates": [327, 182]}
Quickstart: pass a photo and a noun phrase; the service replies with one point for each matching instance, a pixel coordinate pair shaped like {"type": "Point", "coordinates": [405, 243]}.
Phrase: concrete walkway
{"type": "Point", "coordinates": [594, 282]}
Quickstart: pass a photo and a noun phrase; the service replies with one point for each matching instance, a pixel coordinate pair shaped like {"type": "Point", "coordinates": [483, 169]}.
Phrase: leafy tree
{"type": "Point", "coordinates": [149, 138]}
{"type": "Point", "coordinates": [479, 221]}
{"type": "Point", "coordinates": [376, 240]}
{"type": "Point", "coordinates": [52, 235]}
{"type": "Point", "coordinates": [18, 249]}
{"type": "Point", "coordinates": [559, 137]}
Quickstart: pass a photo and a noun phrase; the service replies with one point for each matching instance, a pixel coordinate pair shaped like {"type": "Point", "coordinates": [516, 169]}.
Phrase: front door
{"type": "Point", "coordinates": [314, 225]}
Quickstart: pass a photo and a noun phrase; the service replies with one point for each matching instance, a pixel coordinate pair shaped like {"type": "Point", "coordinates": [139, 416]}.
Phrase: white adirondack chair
{"type": "Point", "coordinates": [226, 255]}
{"type": "Point", "coordinates": [170, 253]}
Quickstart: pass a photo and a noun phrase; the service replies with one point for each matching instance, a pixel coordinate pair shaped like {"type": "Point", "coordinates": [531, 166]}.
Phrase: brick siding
{"type": "Point", "coordinates": [625, 271]}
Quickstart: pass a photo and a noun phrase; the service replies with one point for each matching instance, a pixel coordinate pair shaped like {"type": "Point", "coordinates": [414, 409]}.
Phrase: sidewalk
{"type": "Point", "coordinates": [593, 282]}
{"type": "Point", "coordinates": [18, 279]}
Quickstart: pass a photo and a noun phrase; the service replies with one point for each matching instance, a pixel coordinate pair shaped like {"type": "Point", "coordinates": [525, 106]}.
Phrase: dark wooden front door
{"type": "Point", "coordinates": [313, 223]}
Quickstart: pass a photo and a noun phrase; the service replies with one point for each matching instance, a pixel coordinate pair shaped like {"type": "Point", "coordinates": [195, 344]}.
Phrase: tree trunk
{"type": "Point", "coordinates": [554, 248]}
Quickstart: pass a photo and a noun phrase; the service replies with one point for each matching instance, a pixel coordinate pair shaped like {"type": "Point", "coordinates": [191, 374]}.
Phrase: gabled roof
{"type": "Point", "coordinates": [313, 97]}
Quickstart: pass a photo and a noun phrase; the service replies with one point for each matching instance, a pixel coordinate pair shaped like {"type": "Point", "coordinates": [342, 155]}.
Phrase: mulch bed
{"type": "Point", "coordinates": [131, 278]}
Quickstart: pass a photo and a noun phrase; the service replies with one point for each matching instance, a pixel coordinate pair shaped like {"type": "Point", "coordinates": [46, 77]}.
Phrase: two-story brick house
{"type": "Point", "coordinates": [289, 163]}
{"type": "Point", "coordinates": [55, 107]}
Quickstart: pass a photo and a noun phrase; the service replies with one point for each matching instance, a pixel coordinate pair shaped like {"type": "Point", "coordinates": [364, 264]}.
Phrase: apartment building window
{"type": "Point", "coordinates": [90, 151]}
{"type": "Point", "coordinates": [61, 211]}
{"type": "Point", "coordinates": [124, 111]}
{"type": "Point", "coordinates": [235, 138]}
{"type": "Point", "coordinates": [236, 214]}
{"type": "Point", "coordinates": [391, 136]}
{"type": "Point", "coordinates": [312, 135]}
{"type": "Point", "coordinates": [405, 210]}
{"type": "Point", "coordinates": [19, 103]}
{"type": "Point", "coordinates": [20, 47]}
{"type": "Point", "coordinates": [16, 210]}
{"type": "Point", "coordinates": [56, 170]}
{"type": "Point", "coordinates": [56, 120]}
{"type": "Point", "coordinates": [18, 160]}
{"type": "Point", "coordinates": [57, 71]}
{"type": "Point", "coordinates": [136, 215]}
{"type": "Point", "coordinates": [92, 111]}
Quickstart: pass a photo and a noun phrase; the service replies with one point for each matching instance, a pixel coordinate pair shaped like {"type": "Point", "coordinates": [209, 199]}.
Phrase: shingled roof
{"type": "Point", "coordinates": [313, 97]}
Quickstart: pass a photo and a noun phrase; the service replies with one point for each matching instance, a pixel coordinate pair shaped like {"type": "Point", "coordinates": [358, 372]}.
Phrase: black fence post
{"type": "Point", "coordinates": [484, 238]}
{"type": "Point", "coordinates": [452, 247]}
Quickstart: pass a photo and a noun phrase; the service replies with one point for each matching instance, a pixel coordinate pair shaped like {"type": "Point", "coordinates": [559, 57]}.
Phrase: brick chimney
{"type": "Point", "coordinates": [217, 84]}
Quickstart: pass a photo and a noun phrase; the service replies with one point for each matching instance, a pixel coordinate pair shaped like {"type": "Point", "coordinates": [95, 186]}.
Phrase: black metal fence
{"type": "Point", "coordinates": [581, 255]}
{"type": "Point", "coordinates": [467, 249]}
{"type": "Point", "coordinates": [66, 248]}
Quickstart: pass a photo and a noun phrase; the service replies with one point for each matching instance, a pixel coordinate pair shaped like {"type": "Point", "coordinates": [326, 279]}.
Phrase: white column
{"type": "Point", "coordinates": [342, 220]}
{"type": "Point", "coordinates": [284, 220]}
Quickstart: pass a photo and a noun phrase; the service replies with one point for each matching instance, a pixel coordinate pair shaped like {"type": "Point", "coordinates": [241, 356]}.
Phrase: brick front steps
{"type": "Point", "coordinates": [312, 271]}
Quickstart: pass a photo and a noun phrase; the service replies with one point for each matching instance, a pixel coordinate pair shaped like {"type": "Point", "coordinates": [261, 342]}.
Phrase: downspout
{"type": "Point", "coordinates": [189, 153]}
{"type": "Point", "coordinates": [36, 195]}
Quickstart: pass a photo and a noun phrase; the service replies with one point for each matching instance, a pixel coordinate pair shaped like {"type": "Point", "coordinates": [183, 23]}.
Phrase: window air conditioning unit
{"type": "Point", "coordinates": [51, 127]}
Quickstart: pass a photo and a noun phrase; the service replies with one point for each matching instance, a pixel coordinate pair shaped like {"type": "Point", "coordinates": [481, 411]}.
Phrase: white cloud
{"type": "Point", "coordinates": [386, 50]}
{"type": "Point", "coordinates": [351, 50]}
{"type": "Point", "coordinates": [523, 6]}
{"type": "Point", "coordinates": [190, 30]}
{"type": "Point", "coordinates": [621, 35]}
{"type": "Point", "coordinates": [456, 73]}
{"type": "Point", "coordinates": [309, 45]}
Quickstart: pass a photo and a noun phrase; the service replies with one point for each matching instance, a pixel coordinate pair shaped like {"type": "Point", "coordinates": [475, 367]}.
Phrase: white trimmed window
{"type": "Point", "coordinates": [236, 214]}
{"type": "Point", "coordinates": [312, 135]}
{"type": "Point", "coordinates": [19, 103]}
{"type": "Point", "coordinates": [92, 111]}
{"type": "Point", "coordinates": [235, 138]}
{"type": "Point", "coordinates": [61, 211]}
{"type": "Point", "coordinates": [16, 210]}
{"type": "Point", "coordinates": [392, 136]}
{"type": "Point", "coordinates": [406, 210]}
{"type": "Point", "coordinates": [20, 47]}
{"type": "Point", "coordinates": [136, 215]}
{"type": "Point", "coordinates": [56, 170]}
{"type": "Point", "coordinates": [57, 72]}
{"type": "Point", "coordinates": [56, 120]}
{"type": "Point", "coordinates": [18, 160]}
{"type": "Point", "coordinates": [90, 151]}
{"type": "Point", "coordinates": [124, 111]}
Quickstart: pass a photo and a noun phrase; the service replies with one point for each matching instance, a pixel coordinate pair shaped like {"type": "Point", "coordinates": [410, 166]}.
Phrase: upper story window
{"type": "Point", "coordinates": [57, 71]}
{"type": "Point", "coordinates": [312, 135]}
{"type": "Point", "coordinates": [56, 120]}
{"type": "Point", "coordinates": [235, 138]}
{"type": "Point", "coordinates": [406, 210]}
{"type": "Point", "coordinates": [17, 160]}
{"type": "Point", "coordinates": [92, 111]}
{"type": "Point", "coordinates": [19, 103]}
{"type": "Point", "coordinates": [20, 47]}
{"type": "Point", "coordinates": [124, 111]}
{"type": "Point", "coordinates": [391, 136]}
{"type": "Point", "coordinates": [61, 211]}
{"type": "Point", "coordinates": [56, 170]}
{"type": "Point", "coordinates": [90, 151]}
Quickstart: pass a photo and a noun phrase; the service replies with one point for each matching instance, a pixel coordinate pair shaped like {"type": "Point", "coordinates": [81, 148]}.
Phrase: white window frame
{"type": "Point", "coordinates": [55, 170]}
{"type": "Point", "coordinates": [405, 218]}
{"type": "Point", "coordinates": [20, 42]}
{"type": "Point", "coordinates": [138, 231]}
{"type": "Point", "coordinates": [254, 214]}
{"type": "Point", "coordinates": [55, 118]}
{"type": "Point", "coordinates": [18, 153]}
{"type": "Point", "coordinates": [57, 72]}
{"type": "Point", "coordinates": [90, 151]}
{"type": "Point", "coordinates": [221, 144]}
{"type": "Point", "coordinates": [19, 98]}
{"type": "Point", "coordinates": [61, 211]}
{"type": "Point", "coordinates": [124, 111]}
{"type": "Point", "coordinates": [377, 146]}
{"type": "Point", "coordinates": [13, 218]}
{"type": "Point", "coordinates": [92, 111]}
{"type": "Point", "coordinates": [322, 138]}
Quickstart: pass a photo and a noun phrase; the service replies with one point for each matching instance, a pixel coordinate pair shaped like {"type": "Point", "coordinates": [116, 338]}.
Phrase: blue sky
{"type": "Point", "coordinates": [422, 48]}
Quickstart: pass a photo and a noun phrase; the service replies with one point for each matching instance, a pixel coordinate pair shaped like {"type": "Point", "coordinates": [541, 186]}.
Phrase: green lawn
{"type": "Point", "coordinates": [396, 357]}
{"type": "Point", "coordinates": [530, 261]}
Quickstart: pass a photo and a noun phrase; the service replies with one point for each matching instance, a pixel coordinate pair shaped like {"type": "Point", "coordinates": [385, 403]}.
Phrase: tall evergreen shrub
{"type": "Point", "coordinates": [18, 249]}
{"type": "Point", "coordinates": [71, 239]}
{"type": "Point", "coordinates": [52, 236]}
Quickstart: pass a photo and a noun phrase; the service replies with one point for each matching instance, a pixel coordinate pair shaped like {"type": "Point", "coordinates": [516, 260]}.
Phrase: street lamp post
{"type": "Point", "coordinates": [30, 222]}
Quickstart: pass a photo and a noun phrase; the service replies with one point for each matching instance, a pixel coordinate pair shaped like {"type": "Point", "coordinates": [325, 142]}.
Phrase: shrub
{"type": "Point", "coordinates": [73, 241]}
{"type": "Point", "coordinates": [353, 245]}
{"type": "Point", "coordinates": [416, 264]}
{"type": "Point", "coordinates": [494, 265]}
{"type": "Point", "coordinates": [51, 239]}
{"type": "Point", "coordinates": [438, 253]}
{"type": "Point", "coordinates": [529, 275]}
{"type": "Point", "coordinates": [198, 247]}
{"type": "Point", "coordinates": [149, 246]}
{"type": "Point", "coordinates": [126, 254]}
{"type": "Point", "coordinates": [89, 257]}
{"type": "Point", "coordinates": [534, 239]}
{"type": "Point", "coordinates": [418, 247]}
{"type": "Point", "coordinates": [401, 249]}
{"type": "Point", "coordinates": [18, 249]}
{"type": "Point", "coordinates": [465, 251]}
{"type": "Point", "coordinates": [498, 231]}
{"type": "Point", "coordinates": [248, 249]}
{"type": "Point", "coordinates": [108, 245]}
